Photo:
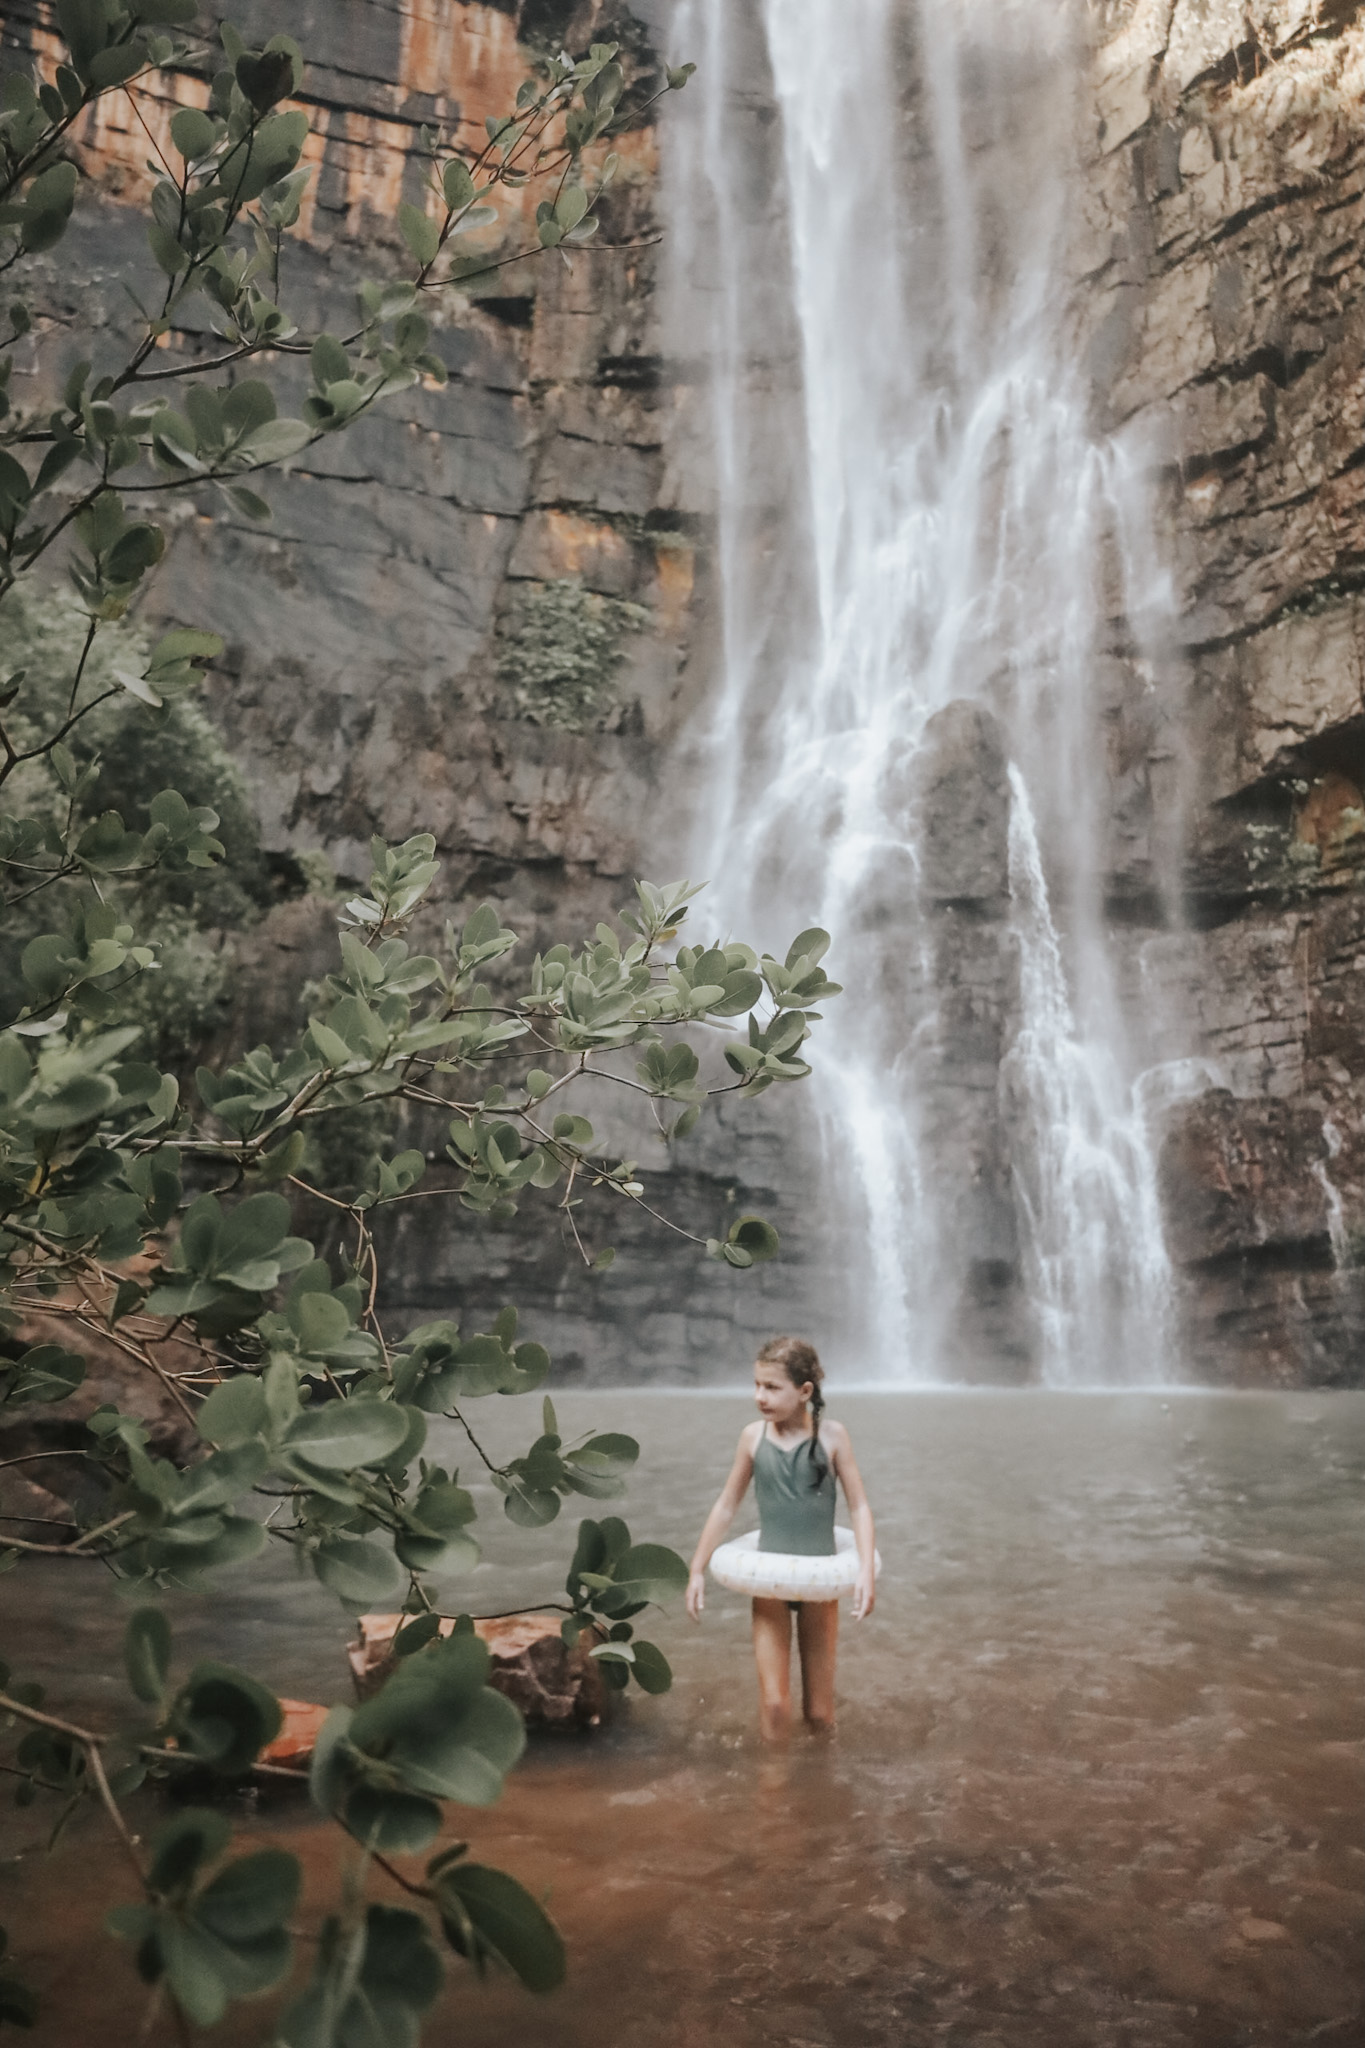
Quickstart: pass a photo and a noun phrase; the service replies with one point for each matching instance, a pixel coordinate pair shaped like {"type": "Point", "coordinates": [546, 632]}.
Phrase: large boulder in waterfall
{"type": "Point", "coordinates": [960, 800]}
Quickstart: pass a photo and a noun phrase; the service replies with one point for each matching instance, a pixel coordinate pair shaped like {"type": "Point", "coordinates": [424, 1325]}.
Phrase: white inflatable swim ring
{"type": "Point", "coordinates": [742, 1567]}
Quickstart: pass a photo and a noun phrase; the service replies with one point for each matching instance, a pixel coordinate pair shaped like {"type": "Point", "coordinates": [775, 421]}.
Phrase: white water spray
{"type": "Point", "coordinates": [1083, 1165]}
{"type": "Point", "coordinates": [913, 514]}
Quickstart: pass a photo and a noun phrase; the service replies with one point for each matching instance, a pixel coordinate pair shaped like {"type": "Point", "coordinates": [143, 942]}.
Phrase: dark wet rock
{"type": "Point", "coordinates": [1244, 1177]}
{"type": "Point", "coordinates": [959, 796]}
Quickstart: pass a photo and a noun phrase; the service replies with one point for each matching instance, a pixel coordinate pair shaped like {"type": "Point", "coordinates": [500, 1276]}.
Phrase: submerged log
{"type": "Point", "coordinates": [550, 1685]}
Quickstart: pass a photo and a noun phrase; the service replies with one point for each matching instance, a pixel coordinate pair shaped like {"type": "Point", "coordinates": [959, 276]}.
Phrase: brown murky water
{"type": "Point", "coordinates": [1097, 1781]}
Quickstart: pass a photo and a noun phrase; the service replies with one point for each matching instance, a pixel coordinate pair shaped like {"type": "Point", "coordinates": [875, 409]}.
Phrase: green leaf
{"type": "Point", "coordinates": [248, 405]}
{"type": "Point", "coordinates": [111, 67]}
{"type": "Point", "coordinates": [320, 1321]}
{"type": "Point", "coordinates": [147, 1653]}
{"type": "Point", "coordinates": [15, 492]}
{"type": "Point", "coordinates": [650, 1571]}
{"type": "Point", "coordinates": [361, 1573]}
{"type": "Point", "coordinates": [416, 1635]}
{"type": "Point", "coordinates": [275, 442]}
{"type": "Point", "coordinates": [458, 185]}
{"type": "Point", "coordinates": [193, 133]}
{"type": "Point", "coordinates": [251, 1896]}
{"type": "Point", "coordinates": [422, 235]}
{"type": "Point", "coordinates": [47, 207]}
{"type": "Point", "coordinates": [606, 1453]}
{"type": "Point", "coordinates": [401, 1961]}
{"type": "Point", "coordinates": [265, 80]}
{"type": "Point", "coordinates": [651, 1669]}
{"type": "Point", "coordinates": [45, 1372]}
{"type": "Point", "coordinates": [235, 1412]}
{"type": "Point", "coordinates": [255, 1230]}
{"type": "Point", "coordinates": [224, 1718]}
{"type": "Point", "coordinates": [84, 27]}
{"type": "Point", "coordinates": [340, 1436]}
{"type": "Point", "coordinates": [329, 360]}
{"type": "Point", "coordinates": [750, 1234]}
{"type": "Point", "coordinates": [571, 206]}
{"type": "Point", "coordinates": [394, 1823]}
{"type": "Point", "coordinates": [191, 1961]}
{"type": "Point", "coordinates": [531, 1508]}
{"type": "Point", "coordinates": [18, 2003]}
{"type": "Point", "coordinates": [439, 1727]}
{"type": "Point", "coordinates": [166, 249]}
{"type": "Point", "coordinates": [137, 549]}
{"type": "Point", "coordinates": [488, 1916]}
{"type": "Point", "coordinates": [811, 946]}
{"type": "Point", "coordinates": [613, 1653]}
{"type": "Point", "coordinates": [193, 1838]}
{"type": "Point", "coordinates": [250, 504]}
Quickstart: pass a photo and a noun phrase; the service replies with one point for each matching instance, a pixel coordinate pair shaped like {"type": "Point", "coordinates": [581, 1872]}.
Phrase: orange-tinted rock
{"type": "Point", "coordinates": [550, 1685]}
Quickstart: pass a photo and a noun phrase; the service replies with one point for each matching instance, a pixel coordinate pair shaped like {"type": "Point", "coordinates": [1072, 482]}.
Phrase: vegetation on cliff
{"type": "Point", "coordinates": [159, 1219]}
{"type": "Point", "coordinates": [561, 652]}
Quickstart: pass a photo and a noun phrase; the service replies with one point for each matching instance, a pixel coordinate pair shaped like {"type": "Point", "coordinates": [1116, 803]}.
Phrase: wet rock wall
{"type": "Point", "coordinates": [1219, 281]}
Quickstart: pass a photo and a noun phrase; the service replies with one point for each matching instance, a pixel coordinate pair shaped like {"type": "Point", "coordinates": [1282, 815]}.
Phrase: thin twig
{"type": "Point", "coordinates": [105, 1529]}
{"type": "Point", "coordinates": [455, 1416]}
{"type": "Point", "coordinates": [111, 1807]}
{"type": "Point", "coordinates": [32, 1457]}
{"type": "Point", "coordinates": [49, 1721]}
{"type": "Point", "coordinates": [182, 1756]}
{"type": "Point", "coordinates": [416, 1891]}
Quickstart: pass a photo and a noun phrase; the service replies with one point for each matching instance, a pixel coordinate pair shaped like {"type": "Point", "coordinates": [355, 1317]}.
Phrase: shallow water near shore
{"type": "Point", "coordinates": [1097, 1778]}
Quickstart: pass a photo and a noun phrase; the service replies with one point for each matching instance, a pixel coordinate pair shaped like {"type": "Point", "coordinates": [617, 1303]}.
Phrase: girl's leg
{"type": "Point", "coordinates": [817, 1634]}
{"type": "Point", "coordinates": [772, 1654]}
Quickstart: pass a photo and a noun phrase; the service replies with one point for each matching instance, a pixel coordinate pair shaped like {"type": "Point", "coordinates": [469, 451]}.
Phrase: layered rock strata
{"type": "Point", "coordinates": [1220, 274]}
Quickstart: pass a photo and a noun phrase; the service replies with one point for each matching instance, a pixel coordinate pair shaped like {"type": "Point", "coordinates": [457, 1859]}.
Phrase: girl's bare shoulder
{"type": "Point", "coordinates": [749, 1436]}
{"type": "Point", "coordinates": [835, 1435]}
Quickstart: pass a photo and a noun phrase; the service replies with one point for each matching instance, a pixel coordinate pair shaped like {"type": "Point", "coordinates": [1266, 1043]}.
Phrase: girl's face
{"type": "Point", "coordinates": [776, 1399]}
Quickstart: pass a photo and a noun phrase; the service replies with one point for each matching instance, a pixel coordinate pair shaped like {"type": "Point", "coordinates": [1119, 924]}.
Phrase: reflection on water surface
{"type": "Point", "coordinates": [1097, 1778]}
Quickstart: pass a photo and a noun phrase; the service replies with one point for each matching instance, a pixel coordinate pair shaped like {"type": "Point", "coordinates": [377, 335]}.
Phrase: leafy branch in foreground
{"type": "Point", "coordinates": [158, 1221]}
{"type": "Point", "coordinates": [207, 1931]}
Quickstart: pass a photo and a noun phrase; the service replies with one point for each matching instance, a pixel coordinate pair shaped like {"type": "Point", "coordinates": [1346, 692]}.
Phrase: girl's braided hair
{"type": "Point", "coordinates": [801, 1363]}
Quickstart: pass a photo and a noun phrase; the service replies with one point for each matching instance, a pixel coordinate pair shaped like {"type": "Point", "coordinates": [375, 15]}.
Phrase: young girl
{"type": "Point", "coordinates": [793, 1467]}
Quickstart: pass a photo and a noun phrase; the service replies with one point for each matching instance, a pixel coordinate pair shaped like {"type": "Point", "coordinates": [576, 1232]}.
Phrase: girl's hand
{"type": "Point", "coordinates": [696, 1594]}
{"type": "Point", "coordinates": [864, 1595]}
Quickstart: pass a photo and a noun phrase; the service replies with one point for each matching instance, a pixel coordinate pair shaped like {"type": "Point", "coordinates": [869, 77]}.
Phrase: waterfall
{"type": "Point", "coordinates": [1083, 1166]}
{"type": "Point", "coordinates": [921, 547]}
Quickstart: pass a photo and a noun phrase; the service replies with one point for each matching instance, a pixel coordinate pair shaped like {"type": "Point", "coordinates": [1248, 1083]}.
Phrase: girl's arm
{"type": "Point", "coordinates": [720, 1518]}
{"type": "Point", "coordinates": [860, 1514]}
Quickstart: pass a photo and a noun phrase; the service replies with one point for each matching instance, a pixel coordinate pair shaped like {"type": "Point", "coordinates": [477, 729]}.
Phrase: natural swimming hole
{"type": "Point", "coordinates": [1097, 1778]}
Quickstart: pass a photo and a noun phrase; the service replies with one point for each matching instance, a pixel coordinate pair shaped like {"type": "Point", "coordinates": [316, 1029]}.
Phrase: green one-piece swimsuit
{"type": "Point", "coordinates": [795, 1513]}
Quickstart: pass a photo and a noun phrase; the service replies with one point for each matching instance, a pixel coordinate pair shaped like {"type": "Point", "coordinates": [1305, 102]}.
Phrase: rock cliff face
{"type": "Point", "coordinates": [1220, 273]}
{"type": "Point", "coordinates": [378, 635]}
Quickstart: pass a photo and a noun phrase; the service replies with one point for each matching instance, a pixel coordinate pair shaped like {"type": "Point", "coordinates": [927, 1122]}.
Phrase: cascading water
{"type": "Point", "coordinates": [920, 545]}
